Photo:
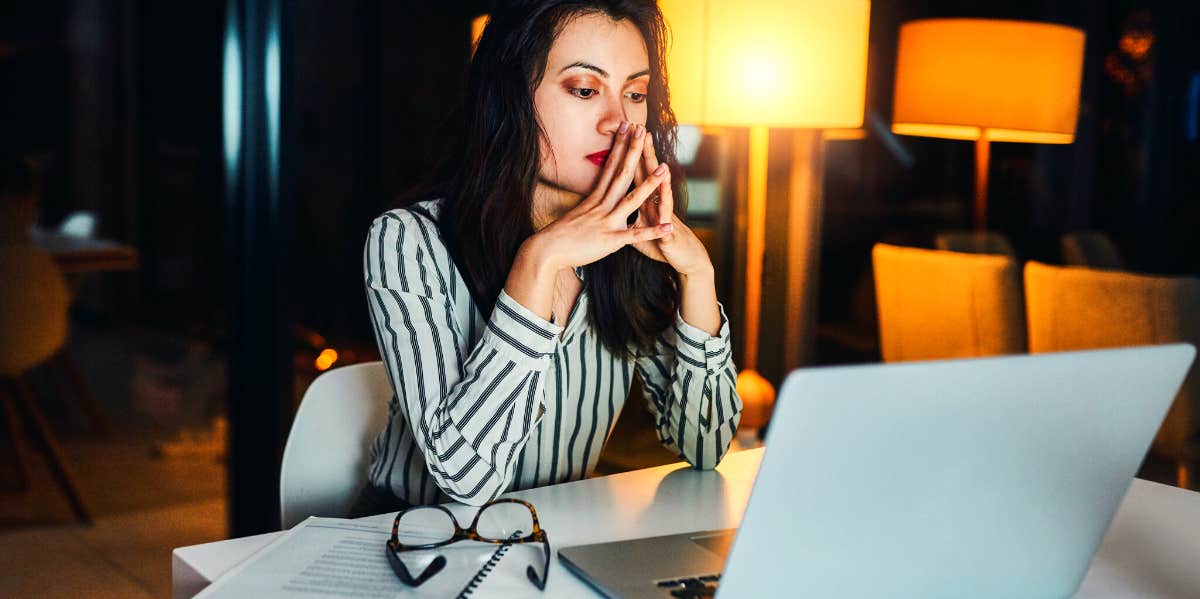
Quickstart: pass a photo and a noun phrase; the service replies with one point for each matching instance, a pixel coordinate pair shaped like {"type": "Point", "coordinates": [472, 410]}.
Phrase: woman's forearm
{"type": "Point", "coordinates": [531, 283]}
{"type": "Point", "coordinates": [531, 279]}
{"type": "Point", "coordinates": [699, 302]}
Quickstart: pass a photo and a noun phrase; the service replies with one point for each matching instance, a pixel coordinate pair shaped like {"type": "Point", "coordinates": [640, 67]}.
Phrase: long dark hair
{"type": "Point", "coordinates": [487, 180]}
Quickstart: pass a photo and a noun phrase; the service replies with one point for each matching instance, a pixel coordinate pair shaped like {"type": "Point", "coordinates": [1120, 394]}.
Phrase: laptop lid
{"type": "Point", "coordinates": [992, 477]}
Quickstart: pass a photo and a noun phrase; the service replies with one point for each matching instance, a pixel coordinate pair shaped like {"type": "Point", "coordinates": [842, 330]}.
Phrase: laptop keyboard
{"type": "Point", "coordinates": [697, 586]}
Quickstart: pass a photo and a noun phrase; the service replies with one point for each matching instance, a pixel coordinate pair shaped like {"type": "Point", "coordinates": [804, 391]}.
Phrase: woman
{"type": "Point", "coordinates": [513, 311]}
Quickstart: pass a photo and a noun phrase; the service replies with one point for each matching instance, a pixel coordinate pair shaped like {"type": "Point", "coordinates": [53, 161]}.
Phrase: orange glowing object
{"type": "Point", "coordinates": [795, 64]}
{"type": "Point", "coordinates": [477, 26]}
{"type": "Point", "coordinates": [988, 80]}
{"type": "Point", "coordinates": [758, 399]}
{"type": "Point", "coordinates": [768, 63]}
{"type": "Point", "coordinates": [326, 359]}
{"type": "Point", "coordinates": [1004, 80]}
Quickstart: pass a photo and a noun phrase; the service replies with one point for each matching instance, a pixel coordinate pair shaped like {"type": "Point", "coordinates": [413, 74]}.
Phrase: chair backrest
{"type": "Point", "coordinates": [974, 242]}
{"type": "Point", "coordinates": [1082, 308]}
{"type": "Point", "coordinates": [328, 450]}
{"type": "Point", "coordinates": [935, 304]}
{"type": "Point", "coordinates": [1092, 249]}
{"type": "Point", "coordinates": [33, 321]}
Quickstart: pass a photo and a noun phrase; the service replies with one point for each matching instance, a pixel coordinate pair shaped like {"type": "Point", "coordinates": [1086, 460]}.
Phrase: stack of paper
{"type": "Point", "coordinates": [332, 557]}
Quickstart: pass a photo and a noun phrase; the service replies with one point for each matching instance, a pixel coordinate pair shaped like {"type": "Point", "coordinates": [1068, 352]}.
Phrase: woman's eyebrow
{"type": "Point", "coordinates": [640, 73]}
{"type": "Point", "coordinates": [603, 73]}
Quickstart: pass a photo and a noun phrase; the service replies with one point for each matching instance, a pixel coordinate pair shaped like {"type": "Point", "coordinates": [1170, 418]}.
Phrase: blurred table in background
{"type": "Point", "coordinates": [75, 254]}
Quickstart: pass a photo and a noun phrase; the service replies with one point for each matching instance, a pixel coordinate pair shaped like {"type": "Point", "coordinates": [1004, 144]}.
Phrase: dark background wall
{"type": "Point", "coordinates": [120, 103]}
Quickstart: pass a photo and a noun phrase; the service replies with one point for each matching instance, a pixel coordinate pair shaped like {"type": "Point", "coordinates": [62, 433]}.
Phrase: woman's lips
{"type": "Point", "coordinates": [598, 158]}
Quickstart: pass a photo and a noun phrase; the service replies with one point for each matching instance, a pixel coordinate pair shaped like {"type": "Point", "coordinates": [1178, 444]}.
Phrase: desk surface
{"type": "Point", "coordinates": [1151, 550]}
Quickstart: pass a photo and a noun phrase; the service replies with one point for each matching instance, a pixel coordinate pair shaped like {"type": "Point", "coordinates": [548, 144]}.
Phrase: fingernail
{"type": "Point", "coordinates": [624, 127]}
{"type": "Point", "coordinates": [640, 131]}
{"type": "Point", "coordinates": [662, 168]}
{"type": "Point", "coordinates": [667, 227]}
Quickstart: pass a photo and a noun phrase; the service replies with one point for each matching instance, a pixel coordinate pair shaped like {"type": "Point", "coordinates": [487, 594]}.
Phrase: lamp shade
{"type": "Point", "coordinates": [477, 26]}
{"type": "Point", "coordinates": [1002, 80]}
{"type": "Point", "coordinates": [773, 63]}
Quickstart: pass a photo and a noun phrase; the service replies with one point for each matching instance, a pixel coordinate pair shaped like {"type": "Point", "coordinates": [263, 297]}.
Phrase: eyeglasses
{"type": "Point", "coordinates": [431, 526]}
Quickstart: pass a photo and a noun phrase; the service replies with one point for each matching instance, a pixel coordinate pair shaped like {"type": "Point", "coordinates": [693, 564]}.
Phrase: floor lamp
{"type": "Point", "coordinates": [797, 65]}
{"type": "Point", "coordinates": [988, 80]}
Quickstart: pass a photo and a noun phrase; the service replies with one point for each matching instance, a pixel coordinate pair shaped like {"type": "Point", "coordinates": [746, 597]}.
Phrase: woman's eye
{"type": "Point", "coordinates": [637, 98]}
{"type": "Point", "coordinates": [583, 92]}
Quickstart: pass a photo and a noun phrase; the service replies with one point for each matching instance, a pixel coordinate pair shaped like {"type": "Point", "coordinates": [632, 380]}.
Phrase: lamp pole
{"type": "Point", "coordinates": [982, 162]}
{"type": "Point", "coordinates": [758, 395]}
{"type": "Point", "coordinates": [805, 208]}
{"type": "Point", "coordinates": [756, 231]}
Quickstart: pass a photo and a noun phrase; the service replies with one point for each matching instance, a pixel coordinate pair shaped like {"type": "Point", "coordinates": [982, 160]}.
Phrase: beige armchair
{"type": "Point", "coordinates": [936, 304]}
{"type": "Point", "coordinates": [1073, 308]}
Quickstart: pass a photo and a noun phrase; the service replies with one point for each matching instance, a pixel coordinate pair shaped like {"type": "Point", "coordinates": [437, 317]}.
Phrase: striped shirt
{"type": "Point", "coordinates": [484, 406]}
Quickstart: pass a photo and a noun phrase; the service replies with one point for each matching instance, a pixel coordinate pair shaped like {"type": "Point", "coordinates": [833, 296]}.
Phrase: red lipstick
{"type": "Point", "coordinates": [598, 158]}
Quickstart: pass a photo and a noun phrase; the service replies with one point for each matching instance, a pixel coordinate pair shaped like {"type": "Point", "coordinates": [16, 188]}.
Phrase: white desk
{"type": "Point", "coordinates": [1152, 548]}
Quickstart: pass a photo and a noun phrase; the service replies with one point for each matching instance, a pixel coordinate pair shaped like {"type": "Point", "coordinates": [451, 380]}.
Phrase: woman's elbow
{"type": "Point", "coordinates": [470, 490]}
{"type": "Point", "coordinates": [476, 500]}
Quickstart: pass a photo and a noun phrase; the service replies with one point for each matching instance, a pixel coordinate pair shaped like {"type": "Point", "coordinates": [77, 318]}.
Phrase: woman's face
{"type": "Point", "coordinates": [596, 77]}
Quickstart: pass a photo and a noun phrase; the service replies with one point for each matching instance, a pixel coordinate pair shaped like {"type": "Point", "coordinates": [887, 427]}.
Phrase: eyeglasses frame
{"type": "Point", "coordinates": [471, 533]}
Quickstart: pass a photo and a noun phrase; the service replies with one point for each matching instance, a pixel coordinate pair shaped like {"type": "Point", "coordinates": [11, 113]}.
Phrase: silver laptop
{"type": "Point", "coordinates": [992, 477]}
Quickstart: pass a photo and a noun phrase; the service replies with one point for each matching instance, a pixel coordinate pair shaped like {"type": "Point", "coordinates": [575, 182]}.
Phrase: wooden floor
{"type": "Point", "coordinates": [143, 505]}
{"type": "Point", "coordinates": [152, 386]}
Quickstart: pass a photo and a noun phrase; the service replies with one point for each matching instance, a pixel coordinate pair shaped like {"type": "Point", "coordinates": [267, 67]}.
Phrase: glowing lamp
{"type": "Point", "coordinates": [791, 64]}
{"type": "Point", "coordinates": [477, 26]}
{"type": "Point", "coordinates": [768, 63]}
{"type": "Point", "coordinates": [988, 80]}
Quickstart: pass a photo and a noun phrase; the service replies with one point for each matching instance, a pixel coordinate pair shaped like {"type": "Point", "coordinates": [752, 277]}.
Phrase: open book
{"type": "Point", "coordinates": [334, 557]}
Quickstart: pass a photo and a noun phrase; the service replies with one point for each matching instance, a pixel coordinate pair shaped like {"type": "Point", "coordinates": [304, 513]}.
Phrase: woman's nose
{"type": "Point", "coordinates": [612, 117]}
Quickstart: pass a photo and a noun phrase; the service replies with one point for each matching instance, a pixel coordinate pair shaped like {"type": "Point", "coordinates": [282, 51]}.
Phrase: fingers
{"type": "Point", "coordinates": [649, 211]}
{"type": "Point", "coordinates": [639, 234]}
{"type": "Point", "coordinates": [638, 196]}
{"type": "Point", "coordinates": [666, 204]}
{"type": "Point", "coordinates": [616, 157]}
{"type": "Point", "coordinates": [629, 161]}
{"type": "Point", "coordinates": [649, 156]}
{"type": "Point", "coordinates": [662, 211]}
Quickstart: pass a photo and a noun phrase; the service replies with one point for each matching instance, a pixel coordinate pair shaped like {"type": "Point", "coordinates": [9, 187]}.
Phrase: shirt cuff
{"type": "Point", "coordinates": [697, 348]}
{"type": "Point", "coordinates": [519, 333]}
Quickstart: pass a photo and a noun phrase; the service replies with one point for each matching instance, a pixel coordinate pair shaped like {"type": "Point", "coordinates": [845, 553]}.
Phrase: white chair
{"type": "Point", "coordinates": [328, 450]}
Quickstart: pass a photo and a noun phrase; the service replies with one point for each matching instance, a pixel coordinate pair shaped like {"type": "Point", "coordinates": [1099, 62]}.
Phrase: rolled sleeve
{"type": "Point", "coordinates": [697, 348]}
{"type": "Point", "coordinates": [691, 387]}
{"type": "Point", "coordinates": [519, 334]}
